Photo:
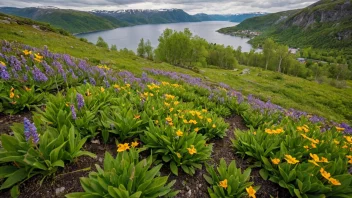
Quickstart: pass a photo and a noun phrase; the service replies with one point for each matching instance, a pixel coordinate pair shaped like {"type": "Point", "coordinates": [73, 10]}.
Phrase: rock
{"type": "Point", "coordinates": [5, 21]}
{"type": "Point", "coordinates": [189, 193]}
{"type": "Point", "coordinates": [95, 141]}
{"type": "Point", "coordinates": [36, 27]}
{"type": "Point", "coordinates": [245, 71]}
{"type": "Point", "coordinates": [235, 69]}
{"type": "Point", "coordinates": [100, 159]}
{"type": "Point", "coordinates": [59, 190]}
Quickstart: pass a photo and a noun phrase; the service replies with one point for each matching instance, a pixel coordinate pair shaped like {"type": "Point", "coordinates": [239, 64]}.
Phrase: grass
{"type": "Point", "coordinates": [287, 91]}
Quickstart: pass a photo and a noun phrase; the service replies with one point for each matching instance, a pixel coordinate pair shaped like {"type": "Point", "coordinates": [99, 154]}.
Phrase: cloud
{"type": "Point", "coordinates": [190, 6]}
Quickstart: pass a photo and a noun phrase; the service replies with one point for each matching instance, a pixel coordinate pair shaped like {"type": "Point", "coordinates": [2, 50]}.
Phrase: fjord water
{"type": "Point", "coordinates": [128, 37]}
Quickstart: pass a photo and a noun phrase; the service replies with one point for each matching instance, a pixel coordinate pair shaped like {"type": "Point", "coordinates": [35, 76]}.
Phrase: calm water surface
{"type": "Point", "coordinates": [128, 37]}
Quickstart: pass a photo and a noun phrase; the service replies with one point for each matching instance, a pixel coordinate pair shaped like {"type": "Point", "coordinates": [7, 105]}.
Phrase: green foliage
{"type": "Point", "coordinates": [299, 157]}
{"type": "Point", "coordinates": [227, 181]}
{"type": "Point", "coordinates": [54, 148]}
{"type": "Point", "coordinates": [126, 177]}
{"type": "Point", "coordinates": [101, 43]}
{"type": "Point", "coordinates": [19, 99]}
{"type": "Point", "coordinates": [113, 48]}
{"type": "Point", "coordinates": [187, 151]}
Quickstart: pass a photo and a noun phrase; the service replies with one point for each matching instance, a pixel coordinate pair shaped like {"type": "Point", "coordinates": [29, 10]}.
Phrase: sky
{"type": "Point", "coordinates": [190, 6]}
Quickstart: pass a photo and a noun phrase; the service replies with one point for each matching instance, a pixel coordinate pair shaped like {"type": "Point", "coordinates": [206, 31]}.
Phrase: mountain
{"type": "Point", "coordinates": [227, 17]}
{"type": "Point", "coordinates": [138, 16]}
{"type": "Point", "coordinates": [71, 20]}
{"type": "Point", "coordinates": [325, 24]}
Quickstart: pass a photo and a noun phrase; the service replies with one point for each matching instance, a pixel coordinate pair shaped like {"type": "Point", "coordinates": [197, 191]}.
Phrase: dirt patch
{"type": "Point", "coordinates": [6, 121]}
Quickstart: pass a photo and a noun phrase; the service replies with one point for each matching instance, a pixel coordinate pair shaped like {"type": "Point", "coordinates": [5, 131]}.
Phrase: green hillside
{"type": "Point", "coordinates": [70, 20]}
{"type": "Point", "coordinates": [287, 91]}
{"type": "Point", "coordinates": [138, 17]}
{"type": "Point", "coordinates": [325, 24]}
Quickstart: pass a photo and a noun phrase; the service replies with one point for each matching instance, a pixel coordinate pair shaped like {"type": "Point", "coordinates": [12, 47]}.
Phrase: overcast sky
{"type": "Point", "coordinates": [190, 6]}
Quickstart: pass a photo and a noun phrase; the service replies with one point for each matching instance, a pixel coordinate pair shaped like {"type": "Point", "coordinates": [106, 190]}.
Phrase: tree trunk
{"type": "Point", "coordinates": [279, 69]}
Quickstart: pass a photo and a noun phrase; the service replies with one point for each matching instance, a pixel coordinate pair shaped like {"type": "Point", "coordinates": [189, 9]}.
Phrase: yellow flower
{"type": "Point", "coordinates": [313, 162]}
{"type": "Point", "coordinates": [336, 142]}
{"type": "Point", "coordinates": [12, 95]}
{"type": "Point", "coordinates": [269, 131]}
{"type": "Point", "coordinates": [171, 109]}
{"type": "Point", "coordinates": [334, 182]}
{"type": "Point", "coordinates": [176, 103]}
{"type": "Point", "coordinates": [27, 89]}
{"type": "Point", "coordinates": [179, 133]}
{"type": "Point", "coordinates": [204, 110]}
{"type": "Point", "coordinates": [290, 159]}
{"type": "Point", "coordinates": [196, 130]}
{"type": "Point", "coordinates": [340, 129]}
{"type": "Point", "coordinates": [209, 120]}
{"type": "Point", "coordinates": [123, 147]}
{"type": "Point", "coordinates": [192, 150]}
{"type": "Point", "coordinates": [178, 155]}
{"type": "Point", "coordinates": [156, 121]}
{"type": "Point", "coordinates": [313, 145]}
{"type": "Point", "coordinates": [166, 104]}
{"type": "Point", "coordinates": [67, 104]}
{"type": "Point", "coordinates": [192, 122]}
{"type": "Point", "coordinates": [214, 126]}
{"type": "Point", "coordinates": [118, 87]}
{"type": "Point", "coordinates": [251, 192]}
{"type": "Point", "coordinates": [13, 102]}
{"type": "Point", "coordinates": [165, 83]}
{"type": "Point", "coordinates": [306, 147]}
{"type": "Point", "coordinates": [315, 157]}
{"type": "Point", "coordinates": [102, 89]}
{"type": "Point", "coordinates": [275, 161]}
{"type": "Point", "coordinates": [348, 139]}
{"type": "Point", "coordinates": [2, 63]}
{"type": "Point", "coordinates": [325, 174]}
{"type": "Point", "coordinates": [169, 119]}
{"type": "Point", "coordinates": [323, 159]}
{"type": "Point", "coordinates": [26, 52]}
{"type": "Point", "coordinates": [128, 85]}
{"type": "Point", "coordinates": [167, 96]}
{"type": "Point", "coordinates": [223, 183]}
{"type": "Point", "coordinates": [88, 93]}
{"type": "Point", "coordinates": [134, 144]}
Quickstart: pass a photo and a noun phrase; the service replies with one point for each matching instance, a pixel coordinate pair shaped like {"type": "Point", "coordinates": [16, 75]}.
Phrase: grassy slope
{"type": "Point", "coordinates": [288, 92]}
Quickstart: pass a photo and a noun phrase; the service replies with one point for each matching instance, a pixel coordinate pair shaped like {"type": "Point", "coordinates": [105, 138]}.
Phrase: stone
{"type": "Point", "coordinates": [5, 21]}
{"type": "Point", "coordinates": [59, 190]}
{"type": "Point", "coordinates": [245, 71]}
{"type": "Point", "coordinates": [189, 193]}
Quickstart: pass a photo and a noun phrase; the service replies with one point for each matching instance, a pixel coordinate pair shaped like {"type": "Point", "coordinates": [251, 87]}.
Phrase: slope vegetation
{"type": "Point", "coordinates": [325, 24]}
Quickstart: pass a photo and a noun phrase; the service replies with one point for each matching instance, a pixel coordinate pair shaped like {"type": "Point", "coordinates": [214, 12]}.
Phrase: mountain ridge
{"type": "Point", "coordinates": [76, 21]}
{"type": "Point", "coordinates": [324, 24]}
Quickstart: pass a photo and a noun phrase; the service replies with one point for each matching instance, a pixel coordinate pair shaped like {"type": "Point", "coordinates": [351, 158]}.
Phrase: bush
{"type": "Point", "coordinates": [126, 177]}
{"type": "Point", "coordinates": [229, 181]}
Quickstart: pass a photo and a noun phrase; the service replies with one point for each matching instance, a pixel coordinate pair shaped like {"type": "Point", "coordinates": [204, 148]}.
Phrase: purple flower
{"type": "Point", "coordinates": [92, 81]}
{"type": "Point", "coordinates": [30, 131]}
{"type": "Point", "coordinates": [15, 63]}
{"type": "Point", "coordinates": [48, 70]}
{"type": "Point", "coordinates": [80, 101]}
{"type": "Point", "coordinates": [73, 111]}
{"type": "Point", "coordinates": [3, 73]}
{"type": "Point", "coordinates": [38, 75]}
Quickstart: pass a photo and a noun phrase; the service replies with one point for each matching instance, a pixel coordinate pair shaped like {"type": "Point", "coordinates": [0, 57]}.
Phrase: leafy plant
{"type": "Point", "coordinates": [126, 177]}
{"type": "Point", "coordinates": [34, 154]}
{"type": "Point", "coordinates": [178, 147]}
{"type": "Point", "coordinates": [227, 181]}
